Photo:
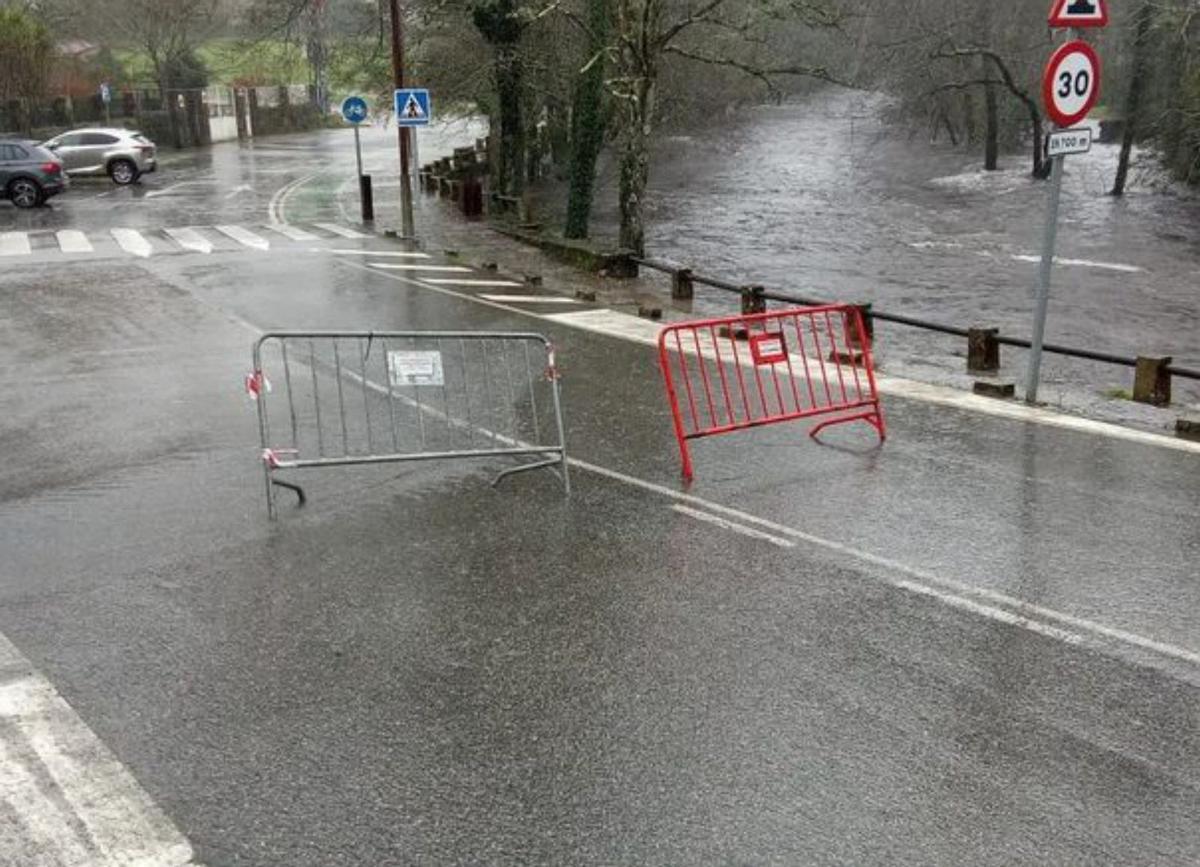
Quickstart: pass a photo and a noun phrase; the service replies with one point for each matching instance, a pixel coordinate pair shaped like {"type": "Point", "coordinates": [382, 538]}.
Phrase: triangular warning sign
{"type": "Point", "coordinates": [412, 108]}
{"type": "Point", "coordinates": [1079, 13]}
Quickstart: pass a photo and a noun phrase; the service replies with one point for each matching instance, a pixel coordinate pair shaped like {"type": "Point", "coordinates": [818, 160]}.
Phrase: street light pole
{"type": "Point", "coordinates": [406, 206]}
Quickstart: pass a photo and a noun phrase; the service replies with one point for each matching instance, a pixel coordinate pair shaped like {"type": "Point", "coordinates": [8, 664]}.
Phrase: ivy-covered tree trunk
{"type": "Point", "coordinates": [587, 123]}
{"type": "Point", "coordinates": [635, 167]}
{"type": "Point", "coordinates": [499, 23]}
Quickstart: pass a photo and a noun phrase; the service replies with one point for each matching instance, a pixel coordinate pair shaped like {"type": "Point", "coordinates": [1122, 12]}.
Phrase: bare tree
{"type": "Point", "coordinates": [26, 53]}
{"type": "Point", "coordinates": [651, 31]}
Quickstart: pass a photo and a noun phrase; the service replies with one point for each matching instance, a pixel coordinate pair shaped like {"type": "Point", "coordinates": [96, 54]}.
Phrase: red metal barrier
{"type": "Point", "coordinates": [741, 372]}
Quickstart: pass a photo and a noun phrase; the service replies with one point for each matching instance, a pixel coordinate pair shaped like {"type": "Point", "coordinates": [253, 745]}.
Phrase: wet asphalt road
{"type": "Point", "coordinates": [419, 668]}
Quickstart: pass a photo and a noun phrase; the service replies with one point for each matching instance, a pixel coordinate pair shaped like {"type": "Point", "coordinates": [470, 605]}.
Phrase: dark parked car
{"type": "Point", "coordinates": [29, 174]}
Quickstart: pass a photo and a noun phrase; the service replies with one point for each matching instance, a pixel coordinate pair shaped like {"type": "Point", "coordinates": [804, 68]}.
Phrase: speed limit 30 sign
{"type": "Point", "coordinates": [1071, 83]}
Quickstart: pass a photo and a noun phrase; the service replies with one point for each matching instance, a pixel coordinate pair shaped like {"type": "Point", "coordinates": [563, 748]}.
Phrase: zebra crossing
{"type": "Point", "coordinates": [142, 243]}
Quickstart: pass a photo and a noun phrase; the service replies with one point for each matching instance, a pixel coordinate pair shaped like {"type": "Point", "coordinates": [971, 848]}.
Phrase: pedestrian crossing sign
{"type": "Point", "coordinates": [412, 107]}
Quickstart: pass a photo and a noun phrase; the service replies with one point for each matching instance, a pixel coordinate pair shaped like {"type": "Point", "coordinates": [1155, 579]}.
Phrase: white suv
{"type": "Point", "coordinates": [122, 154]}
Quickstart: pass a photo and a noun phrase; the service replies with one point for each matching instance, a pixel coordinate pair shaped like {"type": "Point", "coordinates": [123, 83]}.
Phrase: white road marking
{"type": "Point", "coordinates": [242, 188]}
{"type": "Point", "coordinates": [132, 241]}
{"type": "Point", "coordinates": [394, 253]}
{"type": "Point", "coordinates": [73, 241]}
{"type": "Point", "coordinates": [954, 593]}
{"type": "Point", "coordinates": [72, 801]}
{"type": "Point", "coordinates": [464, 282]}
{"type": "Point", "coordinates": [290, 231]}
{"type": "Point", "coordinates": [995, 606]}
{"type": "Point", "coordinates": [244, 237]}
{"type": "Point", "coordinates": [449, 269]}
{"type": "Point", "coordinates": [1084, 263]}
{"type": "Point", "coordinates": [165, 191]}
{"type": "Point", "coordinates": [531, 299]}
{"type": "Point", "coordinates": [338, 229]}
{"type": "Point", "coordinates": [190, 239]}
{"type": "Point", "coordinates": [14, 244]}
{"type": "Point", "coordinates": [276, 208]}
{"type": "Point", "coordinates": [731, 525]}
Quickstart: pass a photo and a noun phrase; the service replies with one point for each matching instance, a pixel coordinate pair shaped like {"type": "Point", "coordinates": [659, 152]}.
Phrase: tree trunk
{"type": "Point", "coordinates": [512, 129]}
{"type": "Point", "coordinates": [991, 141]}
{"type": "Point", "coordinates": [587, 124]}
{"type": "Point", "coordinates": [1133, 102]}
{"type": "Point", "coordinates": [318, 57]}
{"type": "Point", "coordinates": [635, 169]}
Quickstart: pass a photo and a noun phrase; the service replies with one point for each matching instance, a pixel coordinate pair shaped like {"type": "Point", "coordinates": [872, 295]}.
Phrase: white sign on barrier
{"type": "Point", "coordinates": [415, 368]}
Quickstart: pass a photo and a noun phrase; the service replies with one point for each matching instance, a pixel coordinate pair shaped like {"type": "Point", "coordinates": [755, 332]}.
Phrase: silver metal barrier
{"type": "Point", "coordinates": [343, 398]}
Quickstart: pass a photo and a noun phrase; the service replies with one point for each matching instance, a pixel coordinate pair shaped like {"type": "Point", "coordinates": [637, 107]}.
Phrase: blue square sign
{"type": "Point", "coordinates": [412, 107]}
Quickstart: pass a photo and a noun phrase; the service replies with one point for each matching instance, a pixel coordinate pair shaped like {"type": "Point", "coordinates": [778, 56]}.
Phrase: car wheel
{"type": "Point", "coordinates": [122, 172]}
{"type": "Point", "coordinates": [25, 193]}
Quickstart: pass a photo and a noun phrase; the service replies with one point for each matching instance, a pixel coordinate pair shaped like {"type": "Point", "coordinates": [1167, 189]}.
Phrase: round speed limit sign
{"type": "Point", "coordinates": [1071, 83]}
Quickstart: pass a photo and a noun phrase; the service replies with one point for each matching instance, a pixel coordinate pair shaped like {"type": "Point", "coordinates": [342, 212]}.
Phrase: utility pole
{"type": "Point", "coordinates": [406, 206]}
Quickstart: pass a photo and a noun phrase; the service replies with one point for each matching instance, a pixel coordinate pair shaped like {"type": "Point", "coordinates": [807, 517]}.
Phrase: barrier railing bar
{"type": "Point", "coordinates": [911, 321]}
{"type": "Point", "coordinates": [312, 363]}
{"type": "Point", "coordinates": [387, 377]}
{"type": "Point", "coordinates": [287, 378]}
{"type": "Point", "coordinates": [537, 434]}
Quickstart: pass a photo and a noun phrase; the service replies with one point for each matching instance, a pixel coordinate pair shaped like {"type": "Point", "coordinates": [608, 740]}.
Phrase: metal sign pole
{"type": "Point", "coordinates": [1043, 291]}
{"type": "Point", "coordinates": [406, 205]}
{"type": "Point", "coordinates": [358, 150]}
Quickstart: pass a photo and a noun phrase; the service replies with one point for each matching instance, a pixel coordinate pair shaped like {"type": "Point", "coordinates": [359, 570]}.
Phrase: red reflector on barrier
{"type": "Point", "coordinates": [800, 363]}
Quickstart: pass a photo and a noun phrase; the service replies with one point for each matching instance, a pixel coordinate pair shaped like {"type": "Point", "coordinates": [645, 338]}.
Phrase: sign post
{"type": "Point", "coordinates": [106, 98]}
{"type": "Point", "coordinates": [354, 110]}
{"type": "Point", "coordinates": [412, 110]}
{"type": "Point", "coordinates": [1070, 88]}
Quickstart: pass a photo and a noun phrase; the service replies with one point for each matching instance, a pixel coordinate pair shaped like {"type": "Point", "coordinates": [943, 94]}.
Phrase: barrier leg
{"type": "Point", "coordinates": [271, 514]}
{"type": "Point", "coordinates": [676, 416]}
{"type": "Point", "coordinates": [873, 418]}
{"type": "Point", "coordinates": [292, 486]}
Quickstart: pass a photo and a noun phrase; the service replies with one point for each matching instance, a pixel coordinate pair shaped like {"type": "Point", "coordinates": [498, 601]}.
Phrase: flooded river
{"type": "Point", "coordinates": [824, 198]}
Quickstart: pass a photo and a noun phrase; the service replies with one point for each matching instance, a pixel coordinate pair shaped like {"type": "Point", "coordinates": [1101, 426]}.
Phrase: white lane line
{"type": "Point", "coordinates": [190, 239]}
{"type": "Point", "coordinates": [132, 241]}
{"type": "Point", "coordinates": [952, 592]}
{"type": "Point", "coordinates": [73, 241]}
{"type": "Point", "coordinates": [277, 207]}
{"type": "Point", "coordinates": [1084, 263]}
{"type": "Point", "coordinates": [731, 525]}
{"type": "Point", "coordinates": [632, 328]}
{"type": "Point", "coordinates": [464, 282]}
{"type": "Point", "coordinates": [447, 269]}
{"type": "Point", "coordinates": [289, 231]}
{"type": "Point", "coordinates": [73, 801]}
{"type": "Point", "coordinates": [531, 299]}
{"type": "Point", "coordinates": [394, 253]}
{"type": "Point", "coordinates": [244, 237]}
{"type": "Point", "coordinates": [165, 191]}
{"type": "Point", "coordinates": [14, 244]}
{"type": "Point", "coordinates": [990, 604]}
{"type": "Point", "coordinates": [338, 229]}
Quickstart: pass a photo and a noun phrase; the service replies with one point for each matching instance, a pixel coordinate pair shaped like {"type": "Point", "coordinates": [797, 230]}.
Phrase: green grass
{"type": "Point", "coordinates": [1118, 394]}
{"type": "Point", "coordinates": [263, 62]}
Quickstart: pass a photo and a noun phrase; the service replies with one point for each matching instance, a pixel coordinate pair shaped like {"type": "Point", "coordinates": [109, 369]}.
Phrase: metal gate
{"type": "Point", "coordinates": [741, 372]}
{"type": "Point", "coordinates": [343, 398]}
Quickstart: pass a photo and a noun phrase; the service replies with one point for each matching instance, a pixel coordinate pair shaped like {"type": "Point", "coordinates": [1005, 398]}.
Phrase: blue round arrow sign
{"type": "Point", "coordinates": [354, 109]}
